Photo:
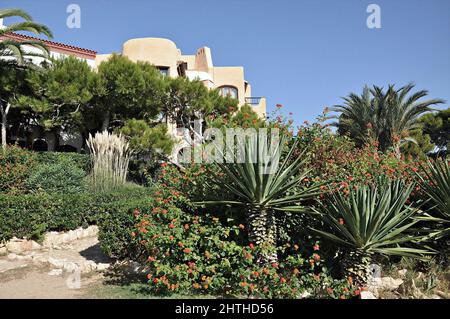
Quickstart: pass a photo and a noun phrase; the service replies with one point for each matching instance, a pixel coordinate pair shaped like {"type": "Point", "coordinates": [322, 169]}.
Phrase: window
{"type": "Point", "coordinates": [164, 70]}
{"type": "Point", "coordinates": [229, 91]}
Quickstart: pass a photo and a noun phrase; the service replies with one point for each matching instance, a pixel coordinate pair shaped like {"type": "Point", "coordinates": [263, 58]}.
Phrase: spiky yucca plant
{"type": "Point", "coordinates": [437, 188]}
{"type": "Point", "coordinates": [110, 158]}
{"type": "Point", "coordinates": [262, 188]}
{"type": "Point", "coordinates": [371, 220]}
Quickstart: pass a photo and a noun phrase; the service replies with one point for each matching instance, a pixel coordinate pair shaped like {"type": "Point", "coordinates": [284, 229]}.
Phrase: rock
{"type": "Point", "coordinates": [18, 246]}
{"type": "Point", "coordinates": [3, 251]}
{"type": "Point", "coordinates": [70, 266]}
{"type": "Point", "coordinates": [435, 297]}
{"type": "Point", "coordinates": [367, 295]}
{"type": "Point", "coordinates": [56, 262]}
{"type": "Point", "coordinates": [390, 284]}
{"type": "Point", "coordinates": [35, 245]}
{"type": "Point", "coordinates": [402, 272]}
{"type": "Point", "coordinates": [102, 266]}
{"type": "Point", "coordinates": [384, 283]}
{"type": "Point", "coordinates": [12, 257]}
{"type": "Point", "coordinates": [55, 272]}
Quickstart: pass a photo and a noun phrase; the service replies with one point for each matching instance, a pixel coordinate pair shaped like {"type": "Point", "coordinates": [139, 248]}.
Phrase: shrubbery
{"type": "Point", "coordinates": [16, 165]}
{"type": "Point", "coordinates": [62, 177]}
{"type": "Point", "coordinates": [32, 215]}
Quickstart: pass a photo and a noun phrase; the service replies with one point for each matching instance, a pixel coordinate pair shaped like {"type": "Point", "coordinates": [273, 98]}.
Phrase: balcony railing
{"type": "Point", "coordinates": [253, 100]}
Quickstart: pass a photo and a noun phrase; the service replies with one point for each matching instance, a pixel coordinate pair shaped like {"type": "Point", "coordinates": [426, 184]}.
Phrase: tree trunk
{"type": "Point", "coordinates": [4, 113]}
{"type": "Point", "coordinates": [106, 120]}
{"type": "Point", "coordinates": [356, 264]}
{"type": "Point", "coordinates": [263, 233]}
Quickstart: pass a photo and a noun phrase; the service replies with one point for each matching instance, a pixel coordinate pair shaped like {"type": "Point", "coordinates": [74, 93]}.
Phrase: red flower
{"type": "Point", "coordinates": [316, 247]}
{"type": "Point", "coordinates": [241, 226]}
{"type": "Point", "coordinates": [171, 226]}
{"type": "Point", "coordinates": [163, 164]}
{"type": "Point", "coordinates": [275, 265]}
{"type": "Point", "coordinates": [186, 250]}
{"type": "Point", "coordinates": [251, 246]}
{"type": "Point", "coordinates": [341, 221]}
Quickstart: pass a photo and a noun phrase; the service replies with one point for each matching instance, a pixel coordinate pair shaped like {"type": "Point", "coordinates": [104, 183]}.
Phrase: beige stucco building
{"type": "Point", "coordinates": [165, 55]}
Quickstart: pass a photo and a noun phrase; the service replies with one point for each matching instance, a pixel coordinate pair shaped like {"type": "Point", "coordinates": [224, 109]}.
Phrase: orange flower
{"type": "Point", "coordinates": [283, 280]}
{"type": "Point", "coordinates": [330, 290]}
{"type": "Point", "coordinates": [186, 226]}
{"type": "Point", "coordinates": [316, 257]}
{"type": "Point", "coordinates": [241, 226]}
{"type": "Point", "coordinates": [341, 221]}
{"type": "Point", "coordinates": [296, 271]}
{"type": "Point", "coordinates": [296, 247]}
{"type": "Point", "coordinates": [275, 265]}
{"type": "Point", "coordinates": [149, 276]}
{"type": "Point", "coordinates": [171, 226]}
{"type": "Point", "coordinates": [186, 250]}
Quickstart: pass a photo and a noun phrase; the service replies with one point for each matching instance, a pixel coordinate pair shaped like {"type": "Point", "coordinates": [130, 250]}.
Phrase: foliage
{"type": "Point", "coordinates": [371, 220]}
{"type": "Point", "coordinates": [61, 90]}
{"type": "Point", "coordinates": [146, 139]}
{"type": "Point", "coordinates": [80, 161]}
{"type": "Point", "coordinates": [110, 157]}
{"type": "Point", "coordinates": [338, 164]}
{"type": "Point", "coordinates": [263, 186]}
{"type": "Point", "coordinates": [383, 116]}
{"type": "Point", "coordinates": [193, 254]}
{"type": "Point", "coordinates": [16, 164]}
{"type": "Point", "coordinates": [127, 90]}
{"type": "Point", "coordinates": [15, 49]}
{"type": "Point", "coordinates": [32, 215]}
{"type": "Point", "coordinates": [436, 185]}
{"type": "Point", "coordinates": [63, 177]}
{"type": "Point", "coordinates": [437, 126]}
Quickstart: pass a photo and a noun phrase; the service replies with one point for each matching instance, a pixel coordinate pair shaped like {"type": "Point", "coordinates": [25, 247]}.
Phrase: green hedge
{"type": "Point", "coordinates": [82, 161]}
{"type": "Point", "coordinates": [32, 215]}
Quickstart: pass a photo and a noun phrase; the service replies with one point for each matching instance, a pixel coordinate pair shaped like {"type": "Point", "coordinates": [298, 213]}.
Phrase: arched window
{"type": "Point", "coordinates": [229, 91]}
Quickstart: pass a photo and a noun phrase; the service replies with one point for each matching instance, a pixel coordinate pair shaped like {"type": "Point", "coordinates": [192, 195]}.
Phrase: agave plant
{"type": "Point", "coordinates": [262, 186]}
{"type": "Point", "coordinates": [437, 188]}
{"type": "Point", "coordinates": [371, 220]}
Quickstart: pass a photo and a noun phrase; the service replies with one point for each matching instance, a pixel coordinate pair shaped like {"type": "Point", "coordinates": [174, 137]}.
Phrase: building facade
{"type": "Point", "coordinates": [163, 54]}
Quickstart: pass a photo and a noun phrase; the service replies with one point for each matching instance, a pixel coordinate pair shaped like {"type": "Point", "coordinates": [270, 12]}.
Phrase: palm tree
{"type": "Point", "coordinates": [371, 220]}
{"type": "Point", "coordinates": [15, 49]}
{"type": "Point", "coordinates": [262, 191]}
{"type": "Point", "coordinates": [12, 51]}
{"type": "Point", "coordinates": [384, 116]}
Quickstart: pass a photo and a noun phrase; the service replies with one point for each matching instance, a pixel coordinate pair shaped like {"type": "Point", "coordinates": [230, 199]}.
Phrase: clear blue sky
{"type": "Point", "coordinates": [304, 54]}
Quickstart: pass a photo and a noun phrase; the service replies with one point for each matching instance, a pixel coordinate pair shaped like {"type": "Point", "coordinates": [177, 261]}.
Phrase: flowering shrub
{"type": "Point", "coordinates": [339, 164]}
{"type": "Point", "coordinates": [15, 166]}
{"type": "Point", "coordinates": [188, 253]}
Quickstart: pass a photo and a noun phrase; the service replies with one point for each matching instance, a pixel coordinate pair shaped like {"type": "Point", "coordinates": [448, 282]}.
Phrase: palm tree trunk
{"type": "Point", "coordinates": [263, 232]}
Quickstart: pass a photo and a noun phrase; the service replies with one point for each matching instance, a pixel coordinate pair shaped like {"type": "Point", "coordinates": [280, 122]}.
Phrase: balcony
{"type": "Point", "coordinates": [253, 100]}
{"type": "Point", "coordinates": [258, 104]}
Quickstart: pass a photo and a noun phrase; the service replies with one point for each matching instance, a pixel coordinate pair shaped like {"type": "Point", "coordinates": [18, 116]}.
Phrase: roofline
{"type": "Point", "coordinates": [55, 46]}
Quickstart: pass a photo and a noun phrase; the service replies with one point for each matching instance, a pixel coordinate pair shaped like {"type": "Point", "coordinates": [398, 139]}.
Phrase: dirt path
{"type": "Point", "coordinates": [53, 273]}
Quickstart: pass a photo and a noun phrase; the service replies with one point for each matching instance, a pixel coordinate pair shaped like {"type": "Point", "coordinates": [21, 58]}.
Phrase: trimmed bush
{"type": "Point", "coordinates": [31, 216]}
{"type": "Point", "coordinates": [62, 177]}
{"type": "Point", "coordinates": [81, 161]}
